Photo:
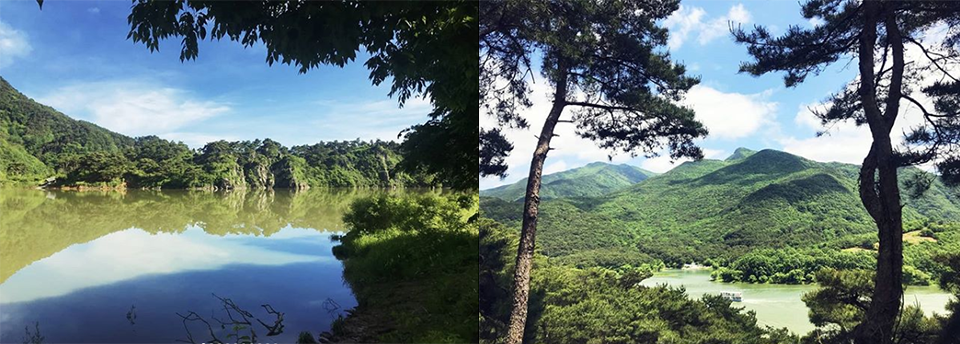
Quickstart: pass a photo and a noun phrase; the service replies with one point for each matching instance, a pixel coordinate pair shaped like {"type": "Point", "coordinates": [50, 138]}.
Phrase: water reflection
{"type": "Point", "coordinates": [118, 267]}
{"type": "Point", "coordinates": [133, 253]}
{"type": "Point", "coordinates": [780, 305]}
{"type": "Point", "coordinates": [37, 224]}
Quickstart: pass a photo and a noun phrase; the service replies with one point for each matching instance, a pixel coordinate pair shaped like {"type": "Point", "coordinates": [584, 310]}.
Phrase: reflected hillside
{"type": "Point", "coordinates": [36, 224]}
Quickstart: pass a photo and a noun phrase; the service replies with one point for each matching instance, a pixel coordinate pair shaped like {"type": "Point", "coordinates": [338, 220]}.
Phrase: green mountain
{"type": "Point", "coordinates": [595, 179]}
{"type": "Point", "coordinates": [37, 142]}
{"type": "Point", "coordinates": [718, 209]}
{"type": "Point", "coordinates": [740, 153]}
{"type": "Point", "coordinates": [34, 136]}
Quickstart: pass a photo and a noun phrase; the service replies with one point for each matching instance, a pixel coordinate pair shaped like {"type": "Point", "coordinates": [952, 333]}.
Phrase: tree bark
{"type": "Point", "coordinates": [531, 208]}
{"type": "Point", "coordinates": [879, 190]}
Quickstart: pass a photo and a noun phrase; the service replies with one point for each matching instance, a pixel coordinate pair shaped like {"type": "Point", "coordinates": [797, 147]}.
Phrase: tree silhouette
{"type": "Point", "coordinates": [875, 33]}
{"type": "Point", "coordinates": [605, 62]}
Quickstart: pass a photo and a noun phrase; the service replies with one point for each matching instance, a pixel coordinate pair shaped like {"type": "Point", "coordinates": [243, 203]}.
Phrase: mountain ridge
{"type": "Point", "coordinates": [720, 208]}
{"type": "Point", "coordinates": [596, 178]}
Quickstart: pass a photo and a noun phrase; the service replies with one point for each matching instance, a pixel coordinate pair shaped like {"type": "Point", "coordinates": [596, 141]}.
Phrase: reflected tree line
{"type": "Point", "coordinates": [37, 224]}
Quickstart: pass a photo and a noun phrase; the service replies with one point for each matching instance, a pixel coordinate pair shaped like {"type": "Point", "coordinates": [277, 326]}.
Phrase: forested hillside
{"type": "Point", "coordinates": [595, 179]}
{"type": "Point", "coordinates": [719, 210]}
{"type": "Point", "coordinates": [38, 142]}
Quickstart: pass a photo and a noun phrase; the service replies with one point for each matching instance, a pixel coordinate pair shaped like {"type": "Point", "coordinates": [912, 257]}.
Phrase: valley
{"type": "Point", "coordinates": [765, 223]}
{"type": "Point", "coordinates": [754, 215]}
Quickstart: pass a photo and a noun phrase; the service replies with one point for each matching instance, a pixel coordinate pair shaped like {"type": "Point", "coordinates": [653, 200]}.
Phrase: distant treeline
{"type": "Point", "coordinates": [38, 142]}
{"type": "Point", "coordinates": [152, 162]}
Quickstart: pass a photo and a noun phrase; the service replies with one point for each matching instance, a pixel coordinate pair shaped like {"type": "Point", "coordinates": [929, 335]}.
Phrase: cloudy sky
{"type": "Point", "coordinates": [74, 56]}
{"type": "Point", "coordinates": [739, 110]}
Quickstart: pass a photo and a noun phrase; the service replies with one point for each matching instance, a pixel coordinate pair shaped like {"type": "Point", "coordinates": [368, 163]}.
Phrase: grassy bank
{"type": "Point", "coordinates": [412, 264]}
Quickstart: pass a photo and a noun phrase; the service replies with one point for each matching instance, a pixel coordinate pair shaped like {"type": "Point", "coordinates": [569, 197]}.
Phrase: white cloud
{"type": "Point", "coordinates": [815, 22]}
{"type": "Point", "coordinates": [805, 117]}
{"type": "Point", "coordinates": [383, 119]}
{"type": "Point", "coordinates": [93, 10]}
{"type": "Point", "coordinates": [133, 107]}
{"type": "Point", "coordinates": [844, 144]}
{"type": "Point", "coordinates": [557, 166]}
{"type": "Point", "coordinates": [682, 23]}
{"type": "Point", "coordinates": [663, 164]}
{"type": "Point", "coordinates": [688, 22]}
{"type": "Point", "coordinates": [730, 115]}
{"type": "Point", "coordinates": [13, 45]}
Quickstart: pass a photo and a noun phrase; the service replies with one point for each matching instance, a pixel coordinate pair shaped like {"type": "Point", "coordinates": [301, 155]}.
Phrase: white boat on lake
{"type": "Point", "coordinates": [734, 296]}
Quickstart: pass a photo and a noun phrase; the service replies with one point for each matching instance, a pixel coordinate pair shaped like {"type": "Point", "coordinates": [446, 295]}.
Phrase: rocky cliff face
{"type": "Point", "coordinates": [385, 171]}
{"type": "Point", "coordinates": [232, 180]}
{"type": "Point", "coordinates": [258, 175]}
{"type": "Point", "coordinates": [288, 174]}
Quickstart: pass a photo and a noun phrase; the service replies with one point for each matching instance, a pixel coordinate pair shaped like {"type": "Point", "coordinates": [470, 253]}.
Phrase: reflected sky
{"type": "Point", "coordinates": [77, 263]}
{"type": "Point", "coordinates": [134, 253]}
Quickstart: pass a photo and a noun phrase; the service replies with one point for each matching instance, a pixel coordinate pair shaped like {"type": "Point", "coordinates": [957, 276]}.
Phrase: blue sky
{"type": "Point", "coordinates": [739, 110]}
{"type": "Point", "coordinates": [74, 56]}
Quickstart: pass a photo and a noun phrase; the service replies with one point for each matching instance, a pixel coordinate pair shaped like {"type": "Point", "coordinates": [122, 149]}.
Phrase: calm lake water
{"type": "Point", "coordinates": [779, 305]}
{"type": "Point", "coordinates": [118, 266]}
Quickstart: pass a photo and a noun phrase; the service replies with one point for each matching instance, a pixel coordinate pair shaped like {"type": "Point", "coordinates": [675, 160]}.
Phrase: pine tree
{"type": "Point", "coordinates": [608, 67]}
{"type": "Point", "coordinates": [875, 34]}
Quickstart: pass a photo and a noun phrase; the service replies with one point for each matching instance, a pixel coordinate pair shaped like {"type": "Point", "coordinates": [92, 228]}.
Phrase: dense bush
{"type": "Point", "coordinates": [425, 245]}
{"type": "Point", "coordinates": [789, 266]}
{"type": "Point", "coordinates": [423, 213]}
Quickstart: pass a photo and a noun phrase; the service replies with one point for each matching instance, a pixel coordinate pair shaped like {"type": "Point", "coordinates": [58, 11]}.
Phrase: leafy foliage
{"type": "Point", "coordinates": [426, 243]}
{"type": "Point", "coordinates": [789, 265]}
{"type": "Point", "coordinates": [17, 166]}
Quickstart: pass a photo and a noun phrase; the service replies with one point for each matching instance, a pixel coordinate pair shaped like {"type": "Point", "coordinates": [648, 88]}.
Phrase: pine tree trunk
{"type": "Point", "coordinates": [879, 189]}
{"type": "Point", "coordinates": [531, 208]}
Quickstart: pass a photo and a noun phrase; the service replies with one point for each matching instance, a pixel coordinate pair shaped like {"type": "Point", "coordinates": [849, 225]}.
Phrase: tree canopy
{"type": "Point", "coordinates": [419, 47]}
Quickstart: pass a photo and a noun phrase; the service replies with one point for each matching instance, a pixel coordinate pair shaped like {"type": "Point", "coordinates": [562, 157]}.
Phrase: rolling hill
{"type": "Point", "coordinates": [33, 136]}
{"type": "Point", "coordinates": [718, 209]}
{"type": "Point", "coordinates": [592, 180]}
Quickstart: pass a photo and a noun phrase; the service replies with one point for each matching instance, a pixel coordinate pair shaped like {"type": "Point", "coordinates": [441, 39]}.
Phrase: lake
{"type": "Point", "coordinates": [119, 266]}
{"type": "Point", "coordinates": [779, 305]}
